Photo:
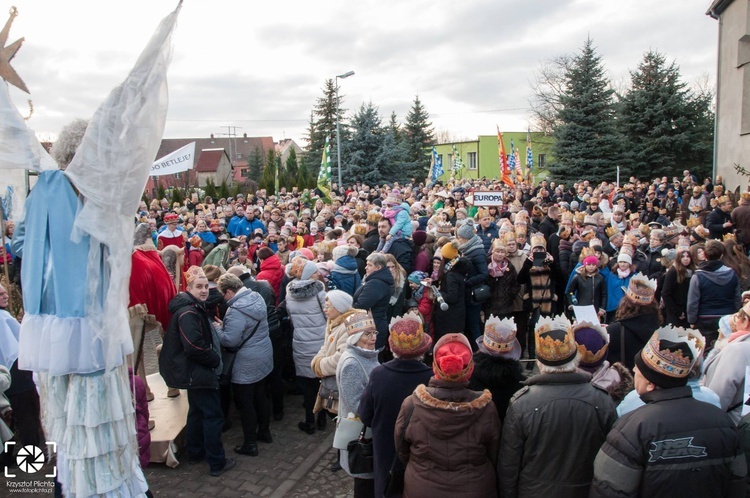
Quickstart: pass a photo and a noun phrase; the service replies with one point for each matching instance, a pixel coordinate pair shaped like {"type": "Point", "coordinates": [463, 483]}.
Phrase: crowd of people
{"type": "Point", "coordinates": [451, 331]}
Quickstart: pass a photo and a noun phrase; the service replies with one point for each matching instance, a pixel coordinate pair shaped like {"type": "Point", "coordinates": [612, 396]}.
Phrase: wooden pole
{"type": "Point", "coordinates": [5, 259]}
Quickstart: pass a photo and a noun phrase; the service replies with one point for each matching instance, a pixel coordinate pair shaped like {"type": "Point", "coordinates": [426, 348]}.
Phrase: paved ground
{"type": "Point", "coordinates": [295, 464]}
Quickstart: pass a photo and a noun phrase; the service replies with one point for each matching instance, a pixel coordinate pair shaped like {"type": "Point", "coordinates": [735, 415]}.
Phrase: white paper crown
{"type": "Point", "coordinates": [547, 323]}
{"type": "Point", "coordinates": [412, 315]}
{"type": "Point", "coordinates": [668, 362]}
{"type": "Point", "coordinates": [498, 324]}
{"type": "Point", "coordinates": [641, 289]}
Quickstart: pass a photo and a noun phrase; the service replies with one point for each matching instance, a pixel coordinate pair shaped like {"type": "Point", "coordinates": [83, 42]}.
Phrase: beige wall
{"type": "Point", "coordinates": [223, 173]}
{"type": "Point", "coordinates": [733, 112]}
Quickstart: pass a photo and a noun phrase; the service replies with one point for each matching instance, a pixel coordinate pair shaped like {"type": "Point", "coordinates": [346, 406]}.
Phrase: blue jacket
{"type": "Point", "coordinates": [488, 236]}
{"type": "Point", "coordinates": [615, 286]}
{"type": "Point", "coordinates": [345, 277]}
{"type": "Point", "coordinates": [714, 291]}
{"type": "Point", "coordinates": [232, 226]}
{"type": "Point", "coordinates": [247, 227]}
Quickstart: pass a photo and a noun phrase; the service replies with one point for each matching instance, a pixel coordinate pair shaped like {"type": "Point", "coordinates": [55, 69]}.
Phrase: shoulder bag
{"type": "Point", "coordinates": [228, 356]}
{"type": "Point", "coordinates": [360, 454]}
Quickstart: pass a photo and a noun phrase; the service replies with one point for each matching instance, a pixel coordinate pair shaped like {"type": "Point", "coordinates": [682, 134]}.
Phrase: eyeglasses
{"type": "Point", "coordinates": [374, 333]}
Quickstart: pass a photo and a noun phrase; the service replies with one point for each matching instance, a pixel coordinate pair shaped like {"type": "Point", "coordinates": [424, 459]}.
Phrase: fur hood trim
{"type": "Point", "coordinates": [495, 371]}
{"type": "Point", "coordinates": [456, 406]}
{"type": "Point", "coordinates": [301, 290]}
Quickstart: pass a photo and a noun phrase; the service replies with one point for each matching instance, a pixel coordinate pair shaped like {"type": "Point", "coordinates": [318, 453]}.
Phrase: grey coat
{"type": "Point", "coordinates": [304, 304]}
{"type": "Point", "coordinates": [254, 361]}
{"type": "Point", "coordinates": [352, 375]}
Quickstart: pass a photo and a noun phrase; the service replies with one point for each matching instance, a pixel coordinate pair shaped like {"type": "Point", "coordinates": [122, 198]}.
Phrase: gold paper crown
{"type": "Point", "coordinates": [551, 350]}
{"type": "Point", "coordinates": [619, 208]}
{"type": "Point", "coordinates": [589, 220]}
{"type": "Point", "coordinates": [521, 230]}
{"type": "Point", "coordinates": [444, 228]}
{"type": "Point", "coordinates": [702, 231]}
{"type": "Point", "coordinates": [407, 329]}
{"type": "Point", "coordinates": [673, 363]}
{"type": "Point", "coordinates": [745, 196]}
{"type": "Point", "coordinates": [591, 357]}
{"type": "Point", "coordinates": [499, 335]}
{"type": "Point", "coordinates": [537, 240]}
{"type": "Point", "coordinates": [509, 237]}
{"type": "Point", "coordinates": [630, 239]}
{"type": "Point", "coordinates": [641, 289]}
{"type": "Point", "coordinates": [580, 217]}
{"type": "Point", "coordinates": [374, 217]}
{"type": "Point", "coordinates": [566, 216]}
{"type": "Point", "coordinates": [693, 222]}
{"type": "Point", "coordinates": [729, 236]}
{"type": "Point", "coordinates": [192, 273]}
{"type": "Point", "coordinates": [683, 244]}
{"type": "Point", "coordinates": [722, 199]}
{"type": "Point", "coordinates": [610, 231]}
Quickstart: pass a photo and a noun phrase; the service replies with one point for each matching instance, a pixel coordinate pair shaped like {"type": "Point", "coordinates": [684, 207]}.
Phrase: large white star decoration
{"type": "Point", "coordinates": [7, 53]}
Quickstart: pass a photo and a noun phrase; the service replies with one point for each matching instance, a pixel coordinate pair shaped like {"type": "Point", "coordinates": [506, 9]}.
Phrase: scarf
{"type": "Point", "coordinates": [623, 273]}
{"type": "Point", "coordinates": [472, 244]}
{"type": "Point", "coordinates": [498, 269]}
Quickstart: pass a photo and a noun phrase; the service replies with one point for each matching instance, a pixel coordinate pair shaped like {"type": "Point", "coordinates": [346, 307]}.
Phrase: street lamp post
{"type": "Point", "coordinates": [338, 127]}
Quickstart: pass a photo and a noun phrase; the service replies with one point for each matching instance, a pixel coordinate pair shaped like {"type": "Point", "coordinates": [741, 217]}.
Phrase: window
{"type": "Point", "coordinates": [176, 176]}
{"type": "Point", "coordinates": [471, 160]}
{"type": "Point", "coordinates": [450, 163]}
{"type": "Point", "coordinates": [541, 161]}
{"type": "Point", "coordinates": [244, 172]}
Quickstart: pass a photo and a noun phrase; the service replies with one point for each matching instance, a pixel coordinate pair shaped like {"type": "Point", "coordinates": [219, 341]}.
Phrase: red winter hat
{"type": "Point", "coordinates": [453, 358]}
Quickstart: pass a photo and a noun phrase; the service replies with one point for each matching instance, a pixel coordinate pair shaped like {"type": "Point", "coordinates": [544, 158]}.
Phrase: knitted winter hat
{"type": "Point", "coordinates": [453, 360]}
{"type": "Point", "coordinates": [419, 237]}
{"type": "Point", "coordinates": [467, 230]}
{"type": "Point", "coordinates": [417, 277]}
{"type": "Point", "coordinates": [590, 260]}
{"type": "Point", "coordinates": [340, 300]}
{"type": "Point", "coordinates": [624, 257]}
{"type": "Point", "coordinates": [593, 344]}
{"type": "Point", "coordinates": [449, 251]}
{"type": "Point", "coordinates": [341, 251]}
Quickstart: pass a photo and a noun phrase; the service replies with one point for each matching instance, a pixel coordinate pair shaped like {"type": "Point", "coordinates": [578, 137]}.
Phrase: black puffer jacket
{"type": "Point", "coordinates": [188, 356]}
{"type": "Point", "coordinates": [477, 272]}
{"type": "Point", "coordinates": [633, 332]}
{"type": "Point", "coordinates": [552, 431]}
{"type": "Point", "coordinates": [452, 287]}
{"type": "Point", "coordinates": [374, 296]}
{"type": "Point", "coordinates": [658, 451]}
{"type": "Point", "coordinates": [503, 377]}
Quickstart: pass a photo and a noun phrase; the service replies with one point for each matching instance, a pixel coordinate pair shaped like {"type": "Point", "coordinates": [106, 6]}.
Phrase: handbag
{"type": "Point", "coordinates": [331, 396]}
{"type": "Point", "coordinates": [360, 454]}
{"type": "Point", "coordinates": [228, 355]}
{"type": "Point", "coordinates": [347, 429]}
{"type": "Point", "coordinates": [481, 293]}
{"type": "Point", "coordinates": [394, 482]}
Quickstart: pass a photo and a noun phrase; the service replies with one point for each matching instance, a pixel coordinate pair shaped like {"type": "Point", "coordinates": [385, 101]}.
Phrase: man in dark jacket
{"type": "Point", "coordinates": [719, 221]}
{"type": "Point", "coordinates": [558, 414]}
{"type": "Point", "coordinates": [372, 237]}
{"type": "Point", "coordinates": [190, 359]}
{"type": "Point", "coordinates": [472, 248]}
{"type": "Point", "coordinates": [487, 230]}
{"type": "Point", "coordinates": [714, 292]}
{"type": "Point", "coordinates": [741, 219]}
{"type": "Point", "coordinates": [375, 294]}
{"type": "Point", "coordinates": [657, 450]}
{"type": "Point", "coordinates": [549, 224]}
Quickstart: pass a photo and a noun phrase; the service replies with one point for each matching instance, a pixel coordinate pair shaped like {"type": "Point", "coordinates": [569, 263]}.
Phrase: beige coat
{"type": "Point", "coordinates": [325, 362]}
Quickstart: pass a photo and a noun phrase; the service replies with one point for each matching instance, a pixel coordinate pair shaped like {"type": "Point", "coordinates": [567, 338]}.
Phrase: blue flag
{"type": "Point", "coordinates": [437, 166]}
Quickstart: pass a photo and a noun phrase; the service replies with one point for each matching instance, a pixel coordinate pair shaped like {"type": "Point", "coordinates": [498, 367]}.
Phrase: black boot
{"type": "Point", "coordinates": [264, 435]}
{"type": "Point", "coordinates": [249, 449]}
{"type": "Point", "coordinates": [322, 420]}
{"type": "Point", "coordinates": [305, 427]}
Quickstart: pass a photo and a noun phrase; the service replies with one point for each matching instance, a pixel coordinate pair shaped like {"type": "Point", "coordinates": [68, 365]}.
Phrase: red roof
{"type": "Point", "coordinates": [208, 161]}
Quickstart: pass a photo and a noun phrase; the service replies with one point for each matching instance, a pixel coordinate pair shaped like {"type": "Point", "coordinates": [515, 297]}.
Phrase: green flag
{"type": "Point", "coordinates": [324, 175]}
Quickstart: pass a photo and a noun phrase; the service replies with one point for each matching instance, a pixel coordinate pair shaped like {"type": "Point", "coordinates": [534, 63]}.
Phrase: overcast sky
{"type": "Point", "coordinates": [260, 65]}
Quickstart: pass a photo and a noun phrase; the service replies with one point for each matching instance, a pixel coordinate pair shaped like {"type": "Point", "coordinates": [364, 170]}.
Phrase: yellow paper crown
{"type": "Point", "coordinates": [592, 357]}
{"type": "Point", "coordinates": [552, 350]}
{"type": "Point", "coordinates": [668, 362]}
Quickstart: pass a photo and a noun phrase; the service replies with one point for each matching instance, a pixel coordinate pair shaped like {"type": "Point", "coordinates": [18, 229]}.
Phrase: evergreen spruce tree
{"type": "Point", "coordinates": [323, 124]}
{"type": "Point", "coordinates": [177, 196]}
{"type": "Point", "coordinates": [223, 190]}
{"type": "Point", "coordinates": [659, 122]}
{"type": "Point", "coordinates": [268, 178]}
{"type": "Point", "coordinates": [291, 170]}
{"type": "Point", "coordinates": [160, 192]}
{"type": "Point", "coordinates": [364, 148]}
{"type": "Point", "coordinates": [587, 143]}
{"type": "Point", "coordinates": [419, 136]}
{"type": "Point", "coordinates": [255, 162]}
{"type": "Point", "coordinates": [395, 128]}
{"type": "Point", "coordinates": [211, 189]}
